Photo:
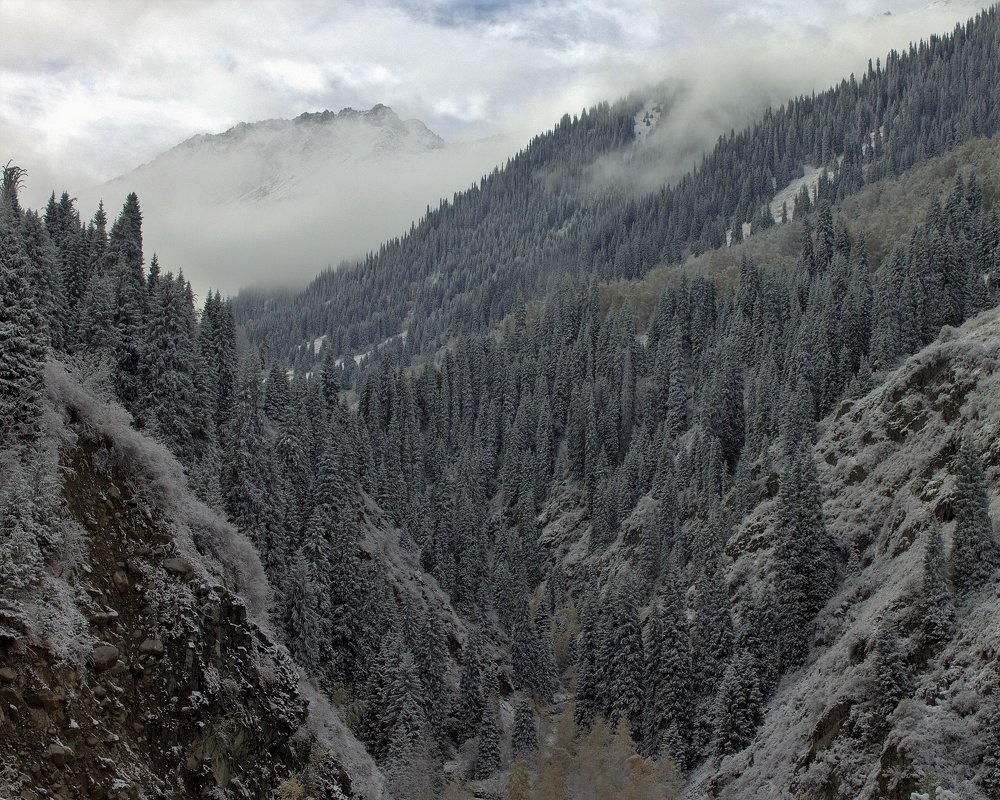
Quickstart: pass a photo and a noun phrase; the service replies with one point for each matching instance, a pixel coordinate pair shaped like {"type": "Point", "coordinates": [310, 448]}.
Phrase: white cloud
{"type": "Point", "coordinates": [86, 93]}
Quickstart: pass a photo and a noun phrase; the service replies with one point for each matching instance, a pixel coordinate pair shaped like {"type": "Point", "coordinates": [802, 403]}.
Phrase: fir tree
{"type": "Point", "coordinates": [622, 660]}
{"type": "Point", "coordinates": [430, 654]}
{"type": "Point", "coordinates": [21, 561]}
{"type": "Point", "coordinates": [989, 772]}
{"type": "Point", "coordinates": [588, 675]}
{"type": "Point", "coordinates": [469, 703]}
{"type": "Point", "coordinates": [404, 718]}
{"type": "Point", "coordinates": [669, 708]}
{"type": "Point", "coordinates": [759, 636]}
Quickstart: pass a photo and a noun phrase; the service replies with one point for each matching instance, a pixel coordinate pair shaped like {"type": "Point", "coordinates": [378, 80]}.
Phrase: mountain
{"type": "Point", "coordinates": [570, 208]}
{"type": "Point", "coordinates": [270, 160]}
{"type": "Point", "coordinates": [301, 194]}
{"type": "Point", "coordinates": [577, 492]}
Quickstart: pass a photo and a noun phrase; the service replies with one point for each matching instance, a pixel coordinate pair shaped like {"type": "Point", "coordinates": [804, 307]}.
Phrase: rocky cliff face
{"type": "Point", "coordinates": [140, 664]}
{"type": "Point", "coordinates": [887, 465]}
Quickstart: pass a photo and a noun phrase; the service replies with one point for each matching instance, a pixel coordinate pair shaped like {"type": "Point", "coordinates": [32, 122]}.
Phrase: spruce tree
{"type": "Point", "coordinates": [21, 563]}
{"type": "Point", "coordinates": [738, 705]}
{"type": "Point", "coordinates": [22, 348]}
{"type": "Point", "coordinates": [989, 771]}
{"type": "Point", "coordinates": [622, 660]}
{"type": "Point", "coordinates": [524, 739]}
{"type": "Point", "coordinates": [711, 630]}
{"type": "Point", "coordinates": [759, 636]}
{"type": "Point", "coordinates": [488, 749]}
{"type": "Point", "coordinates": [404, 717]}
{"type": "Point", "coordinates": [429, 654]}
{"type": "Point", "coordinates": [974, 552]}
{"type": "Point", "coordinates": [937, 610]}
{"type": "Point", "coordinates": [804, 555]}
{"type": "Point", "coordinates": [669, 708]}
{"type": "Point", "coordinates": [588, 674]}
{"type": "Point", "coordinates": [469, 704]}
{"type": "Point", "coordinates": [893, 680]}
{"type": "Point", "coordinates": [167, 369]}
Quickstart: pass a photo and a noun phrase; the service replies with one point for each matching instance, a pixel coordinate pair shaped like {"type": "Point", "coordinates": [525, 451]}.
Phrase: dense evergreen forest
{"type": "Point", "coordinates": [557, 407]}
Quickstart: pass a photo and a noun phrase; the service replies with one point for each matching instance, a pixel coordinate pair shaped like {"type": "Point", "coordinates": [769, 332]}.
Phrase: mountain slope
{"type": "Point", "coordinates": [551, 218]}
{"type": "Point", "coordinates": [887, 466]}
{"type": "Point", "coordinates": [138, 661]}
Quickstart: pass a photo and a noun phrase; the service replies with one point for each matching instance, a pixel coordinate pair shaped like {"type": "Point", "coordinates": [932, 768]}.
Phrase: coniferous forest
{"type": "Point", "coordinates": [527, 524]}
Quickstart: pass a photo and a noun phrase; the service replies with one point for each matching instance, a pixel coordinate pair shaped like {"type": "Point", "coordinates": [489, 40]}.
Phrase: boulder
{"type": "Point", "coordinates": [104, 657]}
{"type": "Point", "coordinates": [60, 754]}
{"type": "Point", "coordinates": [178, 566]}
{"type": "Point", "coordinates": [152, 647]}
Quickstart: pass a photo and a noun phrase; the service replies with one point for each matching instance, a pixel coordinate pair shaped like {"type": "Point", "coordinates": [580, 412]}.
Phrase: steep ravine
{"type": "Point", "coordinates": [143, 666]}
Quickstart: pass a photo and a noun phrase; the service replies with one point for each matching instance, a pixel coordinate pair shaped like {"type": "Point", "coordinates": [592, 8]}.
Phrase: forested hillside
{"type": "Point", "coordinates": [573, 547]}
{"type": "Point", "coordinates": [545, 221]}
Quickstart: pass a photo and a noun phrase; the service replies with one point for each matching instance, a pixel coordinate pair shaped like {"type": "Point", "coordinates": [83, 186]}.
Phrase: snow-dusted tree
{"type": "Point", "coordinates": [95, 331]}
{"type": "Point", "coordinates": [488, 749]}
{"type": "Point", "coordinates": [738, 705]}
{"type": "Point", "coordinates": [46, 279]}
{"type": "Point", "coordinates": [125, 263]}
{"type": "Point", "coordinates": [20, 554]}
{"type": "Point", "coordinates": [711, 631]}
{"type": "Point", "coordinates": [430, 654]}
{"type": "Point", "coordinates": [299, 617]}
{"type": "Point", "coordinates": [167, 368]}
{"type": "Point", "coordinates": [893, 680]}
{"type": "Point", "coordinates": [622, 659]}
{"type": "Point", "coordinates": [531, 655]}
{"type": "Point", "coordinates": [524, 738]}
{"type": "Point", "coordinates": [669, 708]}
{"type": "Point", "coordinates": [248, 481]}
{"type": "Point", "coordinates": [409, 765]}
{"type": "Point", "coordinates": [974, 552]}
{"type": "Point", "coordinates": [989, 772]}
{"type": "Point", "coordinates": [804, 554]}
{"type": "Point", "coordinates": [469, 703]}
{"type": "Point", "coordinates": [373, 725]}
{"type": "Point", "coordinates": [758, 635]}
{"type": "Point", "coordinates": [22, 349]}
{"type": "Point", "coordinates": [936, 606]}
{"type": "Point", "coordinates": [588, 676]}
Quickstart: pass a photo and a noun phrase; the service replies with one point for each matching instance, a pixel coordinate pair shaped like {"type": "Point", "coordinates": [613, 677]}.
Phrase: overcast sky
{"type": "Point", "coordinates": [90, 90]}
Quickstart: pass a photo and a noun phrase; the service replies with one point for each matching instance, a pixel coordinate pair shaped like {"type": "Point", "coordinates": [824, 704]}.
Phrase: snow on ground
{"type": "Point", "coordinates": [810, 180]}
{"type": "Point", "coordinates": [885, 465]}
{"type": "Point", "coordinates": [645, 120]}
{"type": "Point", "coordinates": [359, 357]}
{"type": "Point", "coordinates": [318, 343]}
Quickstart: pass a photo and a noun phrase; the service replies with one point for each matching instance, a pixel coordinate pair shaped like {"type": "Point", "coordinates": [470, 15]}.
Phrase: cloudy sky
{"type": "Point", "coordinates": [90, 90]}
